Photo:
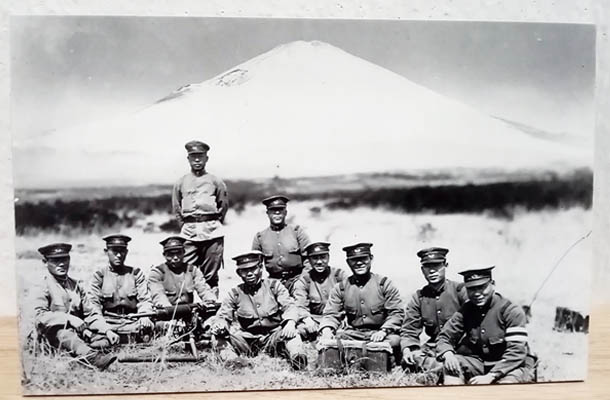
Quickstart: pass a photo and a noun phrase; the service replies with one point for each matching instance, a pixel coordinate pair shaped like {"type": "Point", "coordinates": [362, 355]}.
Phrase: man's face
{"type": "Point", "coordinates": [480, 295]}
{"type": "Point", "coordinates": [360, 265]}
{"type": "Point", "coordinates": [174, 257]}
{"type": "Point", "coordinates": [252, 275]}
{"type": "Point", "coordinates": [277, 216]}
{"type": "Point", "coordinates": [116, 255]}
{"type": "Point", "coordinates": [198, 161]}
{"type": "Point", "coordinates": [434, 273]}
{"type": "Point", "coordinates": [58, 266]}
{"type": "Point", "coordinates": [319, 262]}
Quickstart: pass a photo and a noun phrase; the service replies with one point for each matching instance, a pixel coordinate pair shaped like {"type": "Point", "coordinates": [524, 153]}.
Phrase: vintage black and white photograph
{"type": "Point", "coordinates": [223, 204]}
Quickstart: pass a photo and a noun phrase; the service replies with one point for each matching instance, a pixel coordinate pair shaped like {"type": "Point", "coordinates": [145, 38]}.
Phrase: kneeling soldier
{"type": "Point", "coordinates": [486, 340]}
{"type": "Point", "coordinates": [117, 290]}
{"type": "Point", "coordinates": [174, 281]}
{"type": "Point", "coordinates": [64, 315]}
{"type": "Point", "coordinates": [429, 309]}
{"type": "Point", "coordinates": [265, 312]}
{"type": "Point", "coordinates": [313, 287]}
{"type": "Point", "coordinates": [371, 303]}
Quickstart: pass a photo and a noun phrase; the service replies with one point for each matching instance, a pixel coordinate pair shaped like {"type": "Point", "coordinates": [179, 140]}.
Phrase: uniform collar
{"type": "Point", "coordinates": [61, 282]}
{"type": "Point", "coordinates": [178, 270]}
{"type": "Point", "coordinates": [199, 176]}
{"type": "Point", "coordinates": [430, 289]}
{"type": "Point", "coordinates": [360, 280]}
{"type": "Point", "coordinates": [277, 227]}
{"type": "Point", "coordinates": [319, 277]}
{"type": "Point", "coordinates": [121, 270]}
{"type": "Point", "coordinates": [251, 289]}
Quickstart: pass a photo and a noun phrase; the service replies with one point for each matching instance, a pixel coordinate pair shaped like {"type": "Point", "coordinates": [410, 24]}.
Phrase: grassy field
{"type": "Point", "coordinates": [524, 246]}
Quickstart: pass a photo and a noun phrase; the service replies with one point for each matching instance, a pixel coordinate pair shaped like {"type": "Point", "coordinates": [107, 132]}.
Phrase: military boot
{"type": "Point", "coordinates": [100, 360]}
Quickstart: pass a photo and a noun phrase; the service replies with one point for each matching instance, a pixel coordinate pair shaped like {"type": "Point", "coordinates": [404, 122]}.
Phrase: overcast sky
{"type": "Point", "coordinates": [70, 70]}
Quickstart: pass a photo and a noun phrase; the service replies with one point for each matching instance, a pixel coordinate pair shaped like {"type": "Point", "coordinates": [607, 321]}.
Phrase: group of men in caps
{"type": "Point", "coordinates": [474, 334]}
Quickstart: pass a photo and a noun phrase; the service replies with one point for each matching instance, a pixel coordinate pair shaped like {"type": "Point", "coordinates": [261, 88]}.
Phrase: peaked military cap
{"type": "Point", "coordinates": [317, 248]}
{"type": "Point", "coordinates": [477, 276]}
{"type": "Point", "coordinates": [173, 242]}
{"type": "Point", "coordinates": [358, 250]}
{"type": "Point", "coordinates": [117, 240]}
{"type": "Point", "coordinates": [196, 147]}
{"type": "Point", "coordinates": [433, 255]}
{"type": "Point", "coordinates": [55, 250]}
{"type": "Point", "coordinates": [249, 259]}
{"type": "Point", "coordinates": [277, 201]}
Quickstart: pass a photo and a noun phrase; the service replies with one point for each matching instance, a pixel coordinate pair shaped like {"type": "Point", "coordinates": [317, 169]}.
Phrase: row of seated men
{"type": "Point", "coordinates": [475, 335]}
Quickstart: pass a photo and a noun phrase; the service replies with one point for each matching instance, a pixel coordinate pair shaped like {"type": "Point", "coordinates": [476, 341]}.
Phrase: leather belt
{"type": "Point", "coordinates": [201, 218]}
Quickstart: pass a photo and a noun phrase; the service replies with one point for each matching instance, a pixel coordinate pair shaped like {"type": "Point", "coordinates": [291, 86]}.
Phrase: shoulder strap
{"type": "Point", "coordinates": [342, 285]}
{"type": "Point", "coordinates": [507, 304]}
{"type": "Point", "coordinates": [338, 275]}
{"type": "Point", "coordinates": [273, 284]}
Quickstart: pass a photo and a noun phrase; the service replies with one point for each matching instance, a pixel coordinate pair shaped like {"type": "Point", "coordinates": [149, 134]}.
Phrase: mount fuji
{"type": "Point", "coordinates": [301, 109]}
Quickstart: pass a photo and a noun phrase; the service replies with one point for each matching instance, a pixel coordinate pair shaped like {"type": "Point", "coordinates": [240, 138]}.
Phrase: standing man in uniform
{"type": "Point", "coordinates": [200, 203]}
{"type": "Point", "coordinates": [283, 244]}
{"type": "Point", "coordinates": [429, 308]}
{"type": "Point", "coordinates": [371, 303]}
{"type": "Point", "coordinates": [175, 281]}
{"type": "Point", "coordinates": [118, 289]}
{"type": "Point", "coordinates": [486, 340]}
{"type": "Point", "coordinates": [265, 313]}
{"type": "Point", "coordinates": [312, 288]}
{"type": "Point", "coordinates": [64, 315]}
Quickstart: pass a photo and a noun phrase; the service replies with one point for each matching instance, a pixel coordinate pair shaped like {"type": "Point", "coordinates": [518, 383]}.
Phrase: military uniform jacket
{"type": "Point", "coordinates": [311, 290]}
{"type": "Point", "coordinates": [196, 196]}
{"type": "Point", "coordinates": [282, 247]}
{"type": "Point", "coordinates": [122, 291]}
{"type": "Point", "coordinates": [373, 305]}
{"type": "Point", "coordinates": [165, 285]}
{"type": "Point", "coordinates": [260, 309]}
{"type": "Point", "coordinates": [55, 301]}
{"type": "Point", "coordinates": [428, 310]}
{"type": "Point", "coordinates": [495, 333]}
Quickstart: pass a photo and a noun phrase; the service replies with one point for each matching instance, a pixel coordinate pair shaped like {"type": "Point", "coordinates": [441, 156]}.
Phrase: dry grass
{"type": "Point", "coordinates": [524, 249]}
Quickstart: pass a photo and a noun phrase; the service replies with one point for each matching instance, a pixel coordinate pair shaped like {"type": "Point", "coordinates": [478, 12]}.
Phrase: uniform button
{"type": "Point", "coordinates": [438, 311]}
{"type": "Point", "coordinates": [437, 297]}
{"type": "Point", "coordinates": [258, 306]}
{"type": "Point", "coordinates": [482, 330]}
{"type": "Point", "coordinates": [361, 301]}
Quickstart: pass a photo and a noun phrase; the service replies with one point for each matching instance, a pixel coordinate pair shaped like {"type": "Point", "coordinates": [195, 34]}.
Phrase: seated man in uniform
{"type": "Point", "coordinates": [175, 281]}
{"type": "Point", "coordinates": [283, 244]}
{"type": "Point", "coordinates": [265, 313]}
{"type": "Point", "coordinates": [118, 289]}
{"type": "Point", "coordinates": [486, 340]}
{"type": "Point", "coordinates": [371, 303]}
{"type": "Point", "coordinates": [65, 317]}
{"type": "Point", "coordinates": [429, 309]}
{"type": "Point", "coordinates": [313, 287]}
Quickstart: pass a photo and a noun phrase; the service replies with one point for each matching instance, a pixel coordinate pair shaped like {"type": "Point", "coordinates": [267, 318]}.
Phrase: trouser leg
{"type": "Point", "coordinates": [68, 340]}
{"type": "Point", "coordinates": [469, 366]}
{"type": "Point", "coordinates": [524, 374]}
{"type": "Point", "coordinates": [207, 256]}
{"type": "Point", "coordinates": [292, 349]}
{"type": "Point", "coordinates": [241, 342]}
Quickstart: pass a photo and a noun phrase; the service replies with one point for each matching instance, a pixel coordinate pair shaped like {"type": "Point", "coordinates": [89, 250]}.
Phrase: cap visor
{"type": "Point", "coordinates": [477, 282]}
{"type": "Point", "coordinates": [248, 265]}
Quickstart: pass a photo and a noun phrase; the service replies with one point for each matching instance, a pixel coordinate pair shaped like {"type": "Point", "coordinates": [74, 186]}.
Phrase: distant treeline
{"type": "Point", "coordinates": [499, 199]}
